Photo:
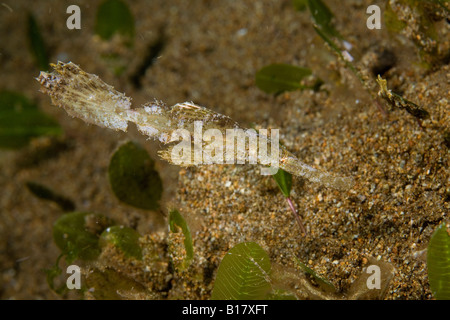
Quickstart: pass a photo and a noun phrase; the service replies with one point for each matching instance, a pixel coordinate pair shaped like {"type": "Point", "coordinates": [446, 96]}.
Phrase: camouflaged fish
{"type": "Point", "coordinates": [87, 97]}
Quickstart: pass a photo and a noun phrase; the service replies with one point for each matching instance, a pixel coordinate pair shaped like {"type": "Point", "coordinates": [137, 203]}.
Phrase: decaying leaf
{"type": "Point", "coordinates": [133, 177]}
{"type": "Point", "coordinates": [373, 282]}
{"type": "Point", "coordinates": [109, 284]}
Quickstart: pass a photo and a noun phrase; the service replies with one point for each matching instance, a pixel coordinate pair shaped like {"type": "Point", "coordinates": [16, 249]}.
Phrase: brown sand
{"type": "Point", "coordinates": [211, 54]}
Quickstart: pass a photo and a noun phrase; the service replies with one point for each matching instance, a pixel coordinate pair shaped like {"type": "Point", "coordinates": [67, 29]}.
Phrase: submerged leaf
{"type": "Point", "coordinates": [422, 16]}
{"type": "Point", "coordinates": [438, 262]}
{"type": "Point", "coordinates": [393, 23]}
{"type": "Point", "coordinates": [176, 222]}
{"type": "Point", "coordinates": [110, 284]}
{"type": "Point", "coordinates": [284, 181]}
{"type": "Point", "coordinates": [54, 272]}
{"type": "Point", "coordinates": [324, 284]}
{"type": "Point", "coordinates": [124, 238]}
{"type": "Point", "coordinates": [72, 235]}
{"type": "Point", "coordinates": [37, 45]}
{"type": "Point", "coordinates": [323, 17]}
{"type": "Point", "coordinates": [300, 5]}
{"type": "Point", "coordinates": [21, 120]}
{"type": "Point", "coordinates": [114, 16]}
{"type": "Point", "coordinates": [45, 193]}
{"type": "Point", "coordinates": [133, 177]}
{"type": "Point", "coordinates": [277, 78]}
{"type": "Point", "coordinates": [281, 295]}
{"type": "Point", "coordinates": [243, 274]}
{"type": "Point", "coordinates": [339, 53]}
{"type": "Point", "coordinates": [115, 26]}
{"type": "Point", "coordinates": [373, 282]}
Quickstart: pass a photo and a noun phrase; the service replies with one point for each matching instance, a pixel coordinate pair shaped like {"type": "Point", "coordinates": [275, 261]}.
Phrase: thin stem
{"type": "Point", "coordinates": [380, 107]}
{"type": "Point", "coordinates": [297, 217]}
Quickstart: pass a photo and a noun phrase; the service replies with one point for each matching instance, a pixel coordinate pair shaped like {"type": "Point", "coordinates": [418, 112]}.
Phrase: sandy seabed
{"type": "Point", "coordinates": [210, 53]}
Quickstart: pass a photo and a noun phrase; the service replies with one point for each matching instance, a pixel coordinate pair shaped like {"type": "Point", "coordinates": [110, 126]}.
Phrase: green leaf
{"type": "Point", "coordinates": [323, 17]}
{"type": "Point", "coordinates": [109, 284]}
{"type": "Point", "coordinates": [115, 21]}
{"type": "Point", "coordinates": [45, 193]}
{"type": "Point", "coordinates": [277, 78]}
{"type": "Point", "coordinates": [438, 262]}
{"type": "Point", "coordinates": [10, 100]}
{"type": "Point", "coordinates": [393, 23]}
{"type": "Point", "coordinates": [243, 274]}
{"type": "Point", "coordinates": [300, 5]}
{"type": "Point", "coordinates": [427, 23]}
{"type": "Point", "coordinates": [133, 178]}
{"type": "Point", "coordinates": [114, 16]}
{"type": "Point", "coordinates": [323, 283]}
{"type": "Point", "coordinates": [21, 120]}
{"type": "Point", "coordinates": [37, 45]}
{"type": "Point", "coordinates": [284, 181]}
{"type": "Point", "coordinates": [280, 294]}
{"type": "Point", "coordinates": [72, 235]}
{"type": "Point", "coordinates": [176, 222]}
{"type": "Point", "coordinates": [330, 42]}
{"type": "Point", "coordinates": [124, 238]}
{"type": "Point", "coordinates": [336, 49]}
{"type": "Point", "coordinates": [54, 272]}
